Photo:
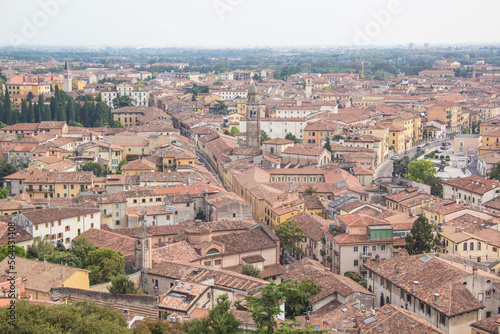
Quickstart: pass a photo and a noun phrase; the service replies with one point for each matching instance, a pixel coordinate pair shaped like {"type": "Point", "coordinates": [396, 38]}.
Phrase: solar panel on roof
{"type": "Point", "coordinates": [344, 309]}
{"type": "Point", "coordinates": [369, 320]}
{"type": "Point", "coordinates": [387, 312]}
{"type": "Point", "coordinates": [425, 258]}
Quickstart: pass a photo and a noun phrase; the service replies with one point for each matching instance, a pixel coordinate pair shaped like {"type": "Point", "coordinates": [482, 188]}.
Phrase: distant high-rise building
{"type": "Point", "coordinates": [427, 46]}
{"type": "Point", "coordinates": [411, 46]}
{"type": "Point", "coordinates": [253, 118]}
{"type": "Point", "coordinates": [67, 78]}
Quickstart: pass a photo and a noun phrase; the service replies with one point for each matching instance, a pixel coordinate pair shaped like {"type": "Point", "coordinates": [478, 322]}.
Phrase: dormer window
{"type": "Point", "coordinates": [213, 251]}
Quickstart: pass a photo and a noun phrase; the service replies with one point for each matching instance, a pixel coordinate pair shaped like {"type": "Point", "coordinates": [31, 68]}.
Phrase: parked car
{"type": "Point", "coordinates": [406, 152]}
{"type": "Point", "coordinates": [394, 157]}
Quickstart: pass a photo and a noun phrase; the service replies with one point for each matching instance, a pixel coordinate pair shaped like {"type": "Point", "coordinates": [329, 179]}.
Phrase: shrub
{"type": "Point", "coordinates": [441, 157]}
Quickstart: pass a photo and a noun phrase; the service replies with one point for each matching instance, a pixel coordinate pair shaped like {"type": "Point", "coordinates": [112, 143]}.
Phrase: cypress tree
{"type": "Point", "coordinates": [70, 110]}
{"type": "Point", "coordinates": [7, 109]}
{"type": "Point", "coordinates": [31, 113]}
{"type": "Point", "coordinates": [53, 108]}
{"type": "Point", "coordinates": [24, 111]}
{"type": "Point", "coordinates": [39, 109]}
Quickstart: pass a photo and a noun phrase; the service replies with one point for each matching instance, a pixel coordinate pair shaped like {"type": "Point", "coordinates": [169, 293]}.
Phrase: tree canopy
{"type": "Point", "coordinates": [122, 101]}
{"type": "Point", "coordinates": [420, 170]}
{"type": "Point", "coordinates": [96, 168]}
{"type": "Point", "coordinates": [292, 137]}
{"type": "Point", "coordinates": [420, 238]}
{"type": "Point", "coordinates": [8, 249]}
{"type": "Point", "coordinates": [250, 270]}
{"type": "Point", "coordinates": [80, 318]}
{"type": "Point", "coordinates": [121, 284]}
{"type": "Point", "coordinates": [266, 307]}
{"type": "Point", "coordinates": [104, 264]}
{"type": "Point", "coordinates": [289, 233]}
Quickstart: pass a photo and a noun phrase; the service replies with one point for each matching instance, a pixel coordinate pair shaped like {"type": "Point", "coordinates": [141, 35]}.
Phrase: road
{"type": "Point", "coordinates": [385, 169]}
{"type": "Point", "coordinates": [209, 167]}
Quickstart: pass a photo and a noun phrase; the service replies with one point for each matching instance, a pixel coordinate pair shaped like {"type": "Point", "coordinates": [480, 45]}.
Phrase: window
{"type": "Point", "coordinates": [465, 246]}
{"type": "Point", "coordinates": [207, 263]}
{"type": "Point", "coordinates": [402, 294]}
{"type": "Point", "coordinates": [65, 187]}
{"type": "Point", "coordinates": [217, 262]}
{"type": "Point", "coordinates": [117, 214]}
{"type": "Point", "coordinates": [78, 219]}
{"type": "Point", "coordinates": [143, 200]}
{"type": "Point", "coordinates": [66, 228]}
{"type": "Point", "coordinates": [59, 222]}
{"type": "Point", "coordinates": [72, 186]}
{"type": "Point", "coordinates": [374, 248]}
{"type": "Point", "coordinates": [117, 222]}
{"type": "Point", "coordinates": [382, 281]}
{"type": "Point", "coordinates": [356, 263]}
{"type": "Point", "coordinates": [355, 249]}
{"type": "Point", "coordinates": [488, 314]}
{"type": "Point", "coordinates": [187, 205]}
{"type": "Point", "coordinates": [68, 240]}
{"type": "Point", "coordinates": [382, 247]}
{"type": "Point", "coordinates": [478, 245]}
{"type": "Point", "coordinates": [427, 310]}
{"type": "Point", "coordinates": [234, 215]}
{"type": "Point", "coordinates": [421, 306]}
{"type": "Point", "coordinates": [116, 206]}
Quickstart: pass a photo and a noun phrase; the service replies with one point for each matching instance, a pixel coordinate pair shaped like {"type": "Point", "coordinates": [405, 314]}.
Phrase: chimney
{"type": "Point", "coordinates": [457, 230]}
{"type": "Point", "coordinates": [287, 268]}
{"type": "Point", "coordinates": [474, 271]}
{"type": "Point", "coordinates": [396, 269]}
{"type": "Point", "coordinates": [415, 286]}
{"type": "Point", "coordinates": [436, 298]}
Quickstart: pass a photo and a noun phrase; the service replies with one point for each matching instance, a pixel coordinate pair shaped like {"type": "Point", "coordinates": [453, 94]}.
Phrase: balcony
{"type": "Point", "coordinates": [44, 190]}
{"type": "Point", "coordinates": [365, 255]}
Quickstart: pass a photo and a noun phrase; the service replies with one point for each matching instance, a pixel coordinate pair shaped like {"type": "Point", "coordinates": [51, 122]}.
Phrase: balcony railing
{"type": "Point", "coordinates": [44, 190]}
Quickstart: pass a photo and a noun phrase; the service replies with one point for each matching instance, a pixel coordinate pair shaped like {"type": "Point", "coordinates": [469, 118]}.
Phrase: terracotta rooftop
{"type": "Point", "coordinates": [475, 184]}
{"type": "Point", "coordinates": [434, 276]}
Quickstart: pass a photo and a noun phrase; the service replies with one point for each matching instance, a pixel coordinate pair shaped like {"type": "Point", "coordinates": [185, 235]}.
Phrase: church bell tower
{"type": "Point", "coordinates": [253, 118]}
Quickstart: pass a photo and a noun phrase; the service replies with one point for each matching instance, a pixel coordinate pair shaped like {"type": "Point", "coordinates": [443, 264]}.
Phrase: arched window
{"type": "Point", "coordinates": [478, 246]}
{"type": "Point", "coordinates": [465, 246]}
{"type": "Point", "coordinates": [212, 251]}
{"type": "Point", "coordinates": [471, 246]}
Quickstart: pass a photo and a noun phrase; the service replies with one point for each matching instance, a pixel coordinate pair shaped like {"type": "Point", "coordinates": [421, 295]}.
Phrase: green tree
{"type": "Point", "coordinates": [401, 166]}
{"type": "Point", "coordinates": [250, 270]}
{"type": "Point", "coordinates": [289, 234]}
{"type": "Point", "coordinates": [118, 124]}
{"type": "Point", "coordinates": [8, 249]}
{"type": "Point", "coordinates": [104, 264]}
{"type": "Point", "coordinates": [60, 247]}
{"type": "Point", "coordinates": [122, 101]}
{"type": "Point", "coordinates": [40, 248]}
{"type": "Point", "coordinates": [337, 137]}
{"type": "Point", "coordinates": [494, 172]}
{"type": "Point", "coordinates": [221, 320]}
{"type": "Point", "coordinates": [80, 318]}
{"type": "Point", "coordinates": [7, 115]}
{"type": "Point", "coordinates": [310, 190]}
{"type": "Point", "coordinates": [96, 168]}
{"type": "Point", "coordinates": [219, 108]}
{"type": "Point", "coordinates": [65, 258]}
{"type": "Point", "coordinates": [420, 238]}
{"type": "Point", "coordinates": [234, 131]}
{"type": "Point", "coordinates": [264, 137]}
{"type": "Point", "coordinates": [120, 164]}
{"type": "Point", "coordinates": [6, 168]}
{"type": "Point", "coordinates": [356, 278]}
{"type": "Point", "coordinates": [31, 112]}
{"type": "Point", "coordinates": [122, 285]}
{"type": "Point", "coordinates": [436, 185]}
{"type": "Point", "coordinates": [327, 145]}
{"type": "Point", "coordinates": [292, 137]}
{"type": "Point", "coordinates": [24, 111]}
{"type": "Point", "coordinates": [296, 295]}
{"type": "Point", "coordinates": [266, 307]}
{"type": "Point", "coordinates": [82, 247]}
{"type": "Point", "coordinates": [420, 170]}
{"type": "Point", "coordinates": [4, 193]}
{"type": "Point", "coordinates": [425, 133]}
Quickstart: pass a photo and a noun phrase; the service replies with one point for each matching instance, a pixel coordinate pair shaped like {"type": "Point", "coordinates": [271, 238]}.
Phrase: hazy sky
{"type": "Point", "coordinates": [256, 23]}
